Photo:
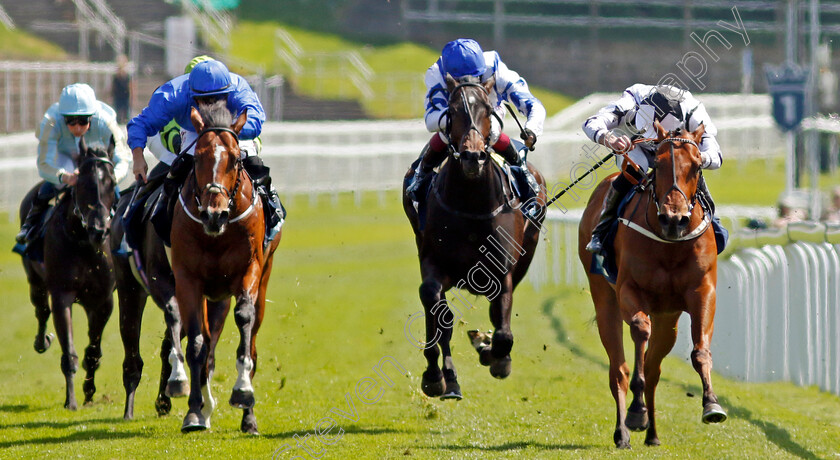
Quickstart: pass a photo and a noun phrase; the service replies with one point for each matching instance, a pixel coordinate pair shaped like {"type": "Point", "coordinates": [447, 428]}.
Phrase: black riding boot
{"type": "Point", "coordinates": [619, 188]}
{"type": "Point", "coordinates": [40, 203]}
{"type": "Point", "coordinates": [275, 212]}
{"type": "Point", "coordinates": [418, 185]}
{"type": "Point", "coordinates": [533, 190]}
{"type": "Point", "coordinates": [703, 189]}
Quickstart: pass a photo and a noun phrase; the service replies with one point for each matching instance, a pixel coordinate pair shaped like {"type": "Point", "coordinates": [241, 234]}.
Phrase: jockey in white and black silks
{"type": "Point", "coordinates": [464, 57]}
{"type": "Point", "coordinates": [209, 80]}
{"type": "Point", "coordinates": [632, 117]}
{"type": "Point", "coordinates": [77, 113]}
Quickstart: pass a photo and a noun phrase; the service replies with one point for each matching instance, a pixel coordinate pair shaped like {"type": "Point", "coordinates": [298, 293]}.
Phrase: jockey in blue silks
{"type": "Point", "coordinates": [208, 81]}
{"type": "Point", "coordinates": [464, 57]}
{"type": "Point", "coordinates": [77, 113]}
{"type": "Point", "coordinates": [632, 117]}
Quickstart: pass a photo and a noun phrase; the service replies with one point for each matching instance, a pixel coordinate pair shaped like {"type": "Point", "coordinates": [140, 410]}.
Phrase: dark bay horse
{"type": "Point", "coordinates": [146, 272]}
{"type": "Point", "coordinates": [217, 253]}
{"type": "Point", "coordinates": [475, 238]}
{"type": "Point", "coordinates": [667, 264]}
{"type": "Point", "coordinates": [77, 265]}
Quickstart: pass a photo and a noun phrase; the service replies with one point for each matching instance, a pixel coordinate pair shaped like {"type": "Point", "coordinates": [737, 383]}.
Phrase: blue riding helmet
{"type": "Point", "coordinates": [210, 78]}
{"type": "Point", "coordinates": [77, 99]}
{"type": "Point", "coordinates": [463, 57]}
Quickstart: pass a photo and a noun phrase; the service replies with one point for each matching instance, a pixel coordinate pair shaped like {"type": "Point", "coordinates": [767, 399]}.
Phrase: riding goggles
{"type": "Point", "coordinates": [81, 120]}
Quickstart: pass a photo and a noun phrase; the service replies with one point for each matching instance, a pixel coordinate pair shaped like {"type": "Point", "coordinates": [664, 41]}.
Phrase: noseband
{"type": "Point", "coordinates": [78, 212]}
{"type": "Point", "coordinates": [670, 141]}
{"type": "Point", "coordinates": [473, 127]}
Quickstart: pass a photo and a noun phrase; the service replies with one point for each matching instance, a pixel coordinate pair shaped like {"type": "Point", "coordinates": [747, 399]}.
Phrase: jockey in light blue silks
{"type": "Point", "coordinates": [208, 81]}
{"type": "Point", "coordinates": [632, 117]}
{"type": "Point", "coordinates": [464, 57]}
{"type": "Point", "coordinates": [77, 113]}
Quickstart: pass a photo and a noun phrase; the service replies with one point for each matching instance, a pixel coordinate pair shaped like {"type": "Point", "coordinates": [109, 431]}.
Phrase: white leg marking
{"type": "Point", "coordinates": [209, 402]}
{"type": "Point", "coordinates": [178, 374]}
{"type": "Point", "coordinates": [243, 368]}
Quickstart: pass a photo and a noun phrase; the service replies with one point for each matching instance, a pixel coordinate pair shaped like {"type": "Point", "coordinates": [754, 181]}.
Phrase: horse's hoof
{"type": "Point", "coordinates": [242, 399]}
{"type": "Point", "coordinates": [177, 388]}
{"type": "Point", "coordinates": [163, 406]}
{"type": "Point", "coordinates": [713, 413]}
{"type": "Point", "coordinates": [44, 345]}
{"type": "Point", "coordinates": [485, 356]}
{"type": "Point", "coordinates": [636, 421]}
{"type": "Point", "coordinates": [249, 425]}
{"type": "Point", "coordinates": [70, 405]}
{"type": "Point", "coordinates": [501, 368]}
{"type": "Point", "coordinates": [623, 444]}
{"type": "Point", "coordinates": [453, 391]}
{"type": "Point", "coordinates": [193, 422]}
{"type": "Point", "coordinates": [653, 442]}
{"type": "Point", "coordinates": [433, 387]}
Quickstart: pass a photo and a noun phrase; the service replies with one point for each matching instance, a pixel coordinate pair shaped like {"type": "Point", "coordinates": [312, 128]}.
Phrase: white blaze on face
{"type": "Point", "coordinates": [243, 381]}
{"type": "Point", "coordinates": [217, 154]}
{"type": "Point", "coordinates": [471, 100]}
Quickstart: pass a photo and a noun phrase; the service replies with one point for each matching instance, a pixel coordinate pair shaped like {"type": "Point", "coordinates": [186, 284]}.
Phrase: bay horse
{"type": "Point", "coordinates": [667, 264]}
{"type": "Point", "coordinates": [77, 266]}
{"type": "Point", "coordinates": [142, 273]}
{"type": "Point", "coordinates": [475, 238]}
{"type": "Point", "coordinates": [217, 253]}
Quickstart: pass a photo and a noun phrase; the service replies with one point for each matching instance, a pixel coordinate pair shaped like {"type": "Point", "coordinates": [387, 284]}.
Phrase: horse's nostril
{"type": "Point", "coordinates": [223, 216]}
{"type": "Point", "coordinates": [663, 220]}
{"type": "Point", "coordinates": [684, 221]}
{"type": "Point", "coordinates": [204, 215]}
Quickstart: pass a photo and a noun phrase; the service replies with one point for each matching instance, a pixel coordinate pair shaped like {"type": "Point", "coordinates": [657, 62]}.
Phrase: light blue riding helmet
{"type": "Point", "coordinates": [209, 78]}
{"type": "Point", "coordinates": [463, 57]}
{"type": "Point", "coordinates": [77, 99]}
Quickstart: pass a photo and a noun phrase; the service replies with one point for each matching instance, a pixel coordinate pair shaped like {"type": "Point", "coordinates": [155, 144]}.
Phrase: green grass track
{"type": "Point", "coordinates": [344, 283]}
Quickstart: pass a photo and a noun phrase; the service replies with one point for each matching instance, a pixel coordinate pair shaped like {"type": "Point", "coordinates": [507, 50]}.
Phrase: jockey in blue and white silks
{"type": "Point", "coordinates": [463, 57]}
{"type": "Point", "coordinates": [632, 117]}
{"type": "Point", "coordinates": [77, 113]}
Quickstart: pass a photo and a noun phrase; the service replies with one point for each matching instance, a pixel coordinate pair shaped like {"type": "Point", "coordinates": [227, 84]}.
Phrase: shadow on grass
{"type": "Point", "coordinates": [350, 429]}
{"type": "Point", "coordinates": [62, 424]}
{"type": "Point", "coordinates": [513, 446]}
{"type": "Point", "coordinates": [14, 408]}
{"type": "Point", "coordinates": [86, 435]}
{"type": "Point", "coordinates": [774, 434]}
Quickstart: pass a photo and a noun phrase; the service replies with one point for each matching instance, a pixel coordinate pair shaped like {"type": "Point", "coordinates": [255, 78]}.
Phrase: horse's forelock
{"type": "Point", "coordinates": [215, 114]}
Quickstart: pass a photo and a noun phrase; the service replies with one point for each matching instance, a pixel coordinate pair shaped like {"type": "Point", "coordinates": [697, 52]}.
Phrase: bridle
{"type": "Point", "coordinates": [215, 187]}
{"type": "Point", "coordinates": [691, 202]}
{"type": "Point", "coordinates": [76, 210]}
{"type": "Point", "coordinates": [473, 127]}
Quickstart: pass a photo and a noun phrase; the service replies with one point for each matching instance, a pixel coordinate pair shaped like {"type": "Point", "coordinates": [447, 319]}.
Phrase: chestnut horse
{"type": "Point", "coordinates": [77, 265]}
{"type": "Point", "coordinates": [667, 264]}
{"type": "Point", "coordinates": [217, 253]}
{"type": "Point", "coordinates": [475, 238]}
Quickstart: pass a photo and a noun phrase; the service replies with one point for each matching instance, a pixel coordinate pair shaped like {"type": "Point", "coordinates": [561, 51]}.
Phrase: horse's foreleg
{"type": "Point", "coordinates": [663, 335]}
{"type": "Point", "coordinates": [431, 295]}
{"type": "Point", "coordinates": [446, 320]}
{"type": "Point", "coordinates": [39, 296]}
{"type": "Point", "coordinates": [192, 309]}
{"type": "Point", "coordinates": [173, 379]}
{"type": "Point", "coordinates": [216, 314]}
{"type": "Point", "coordinates": [500, 310]}
{"type": "Point", "coordinates": [98, 316]}
{"type": "Point", "coordinates": [132, 302]}
{"type": "Point", "coordinates": [249, 419]}
{"type": "Point", "coordinates": [637, 413]}
{"type": "Point", "coordinates": [63, 323]}
{"type": "Point", "coordinates": [610, 329]}
{"type": "Point", "coordinates": [245, 314]}
{"type": "Point", "coordinates": [701, 308]}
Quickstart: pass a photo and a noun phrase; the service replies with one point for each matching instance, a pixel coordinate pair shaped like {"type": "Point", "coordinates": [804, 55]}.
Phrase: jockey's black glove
{"type": "Point", "coordinates": [529, 137]}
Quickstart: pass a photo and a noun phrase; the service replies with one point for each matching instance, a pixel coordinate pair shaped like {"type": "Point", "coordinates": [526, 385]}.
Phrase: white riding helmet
{"type": "Point", "coordinates": [77, 99]}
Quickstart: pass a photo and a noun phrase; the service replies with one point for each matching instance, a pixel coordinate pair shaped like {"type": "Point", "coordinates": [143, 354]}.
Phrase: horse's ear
{"type": "Point", "coordinates": [450, 83]}
{"type": "Point", "coordinates": [197, 122]}
{"type": "Point", "coordinates": [488, 85]}
{"type": "Point", "coordinates": [699, 132]}
{"type": "Point", "coordinates": [82, 146]}
{"type": "Point", "coordinates": [660, 131]}
{"type": "Point", "coordinates": [240, 122]}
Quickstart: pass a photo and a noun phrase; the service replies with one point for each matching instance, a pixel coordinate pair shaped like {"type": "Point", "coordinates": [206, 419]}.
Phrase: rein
{"type": "Point", "coordinates": [473, 126]}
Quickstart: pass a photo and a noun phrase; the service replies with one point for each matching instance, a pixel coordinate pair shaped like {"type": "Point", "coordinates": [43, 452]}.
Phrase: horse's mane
{"type": "Point", "coordinates": [215, 114]}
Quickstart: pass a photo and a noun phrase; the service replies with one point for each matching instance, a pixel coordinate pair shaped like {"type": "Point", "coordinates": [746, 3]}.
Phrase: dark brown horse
{"type": "Point", "coordinates": [77, 265]}
{"type": "Point", "coordinates": [217, 253]}
{"type": "Point", "coordinates": [667, 264]}
{"type": "Point", "coordinates": [475, 238]}
{"type": "Point", "coordinates": [142, 273]}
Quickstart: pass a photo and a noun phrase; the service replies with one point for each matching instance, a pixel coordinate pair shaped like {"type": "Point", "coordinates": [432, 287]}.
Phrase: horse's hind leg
{"type": "Point", "coordinates": [663, 335]}
{"type": "Point", "coordinates": [249, 419]}
{"type": "Point", "coordinates": [702, 311]}
{"type": "Point", "coordinates": [191, 305]}
{"type": "Point", "coordinates": [97, 318]}
{"type": "Point", "coordinates": [446, 320]}
{"type": "Point", "coordinates": [63, 323]}
{"type": "Point", "coordinates": [245, 314]}
{"type": "Point", "coordinates": [173, 376]}
{"type": "Point", "coordinates": [431, 294]}
{"type": "Point", "coordinates": [610, 329]}
{"type": "Point", "coordinates": [216, 314]}
{"type": "Point", "coordinates": [132, 302]}
{"type": "Point", "coordinates": [39, 296]}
